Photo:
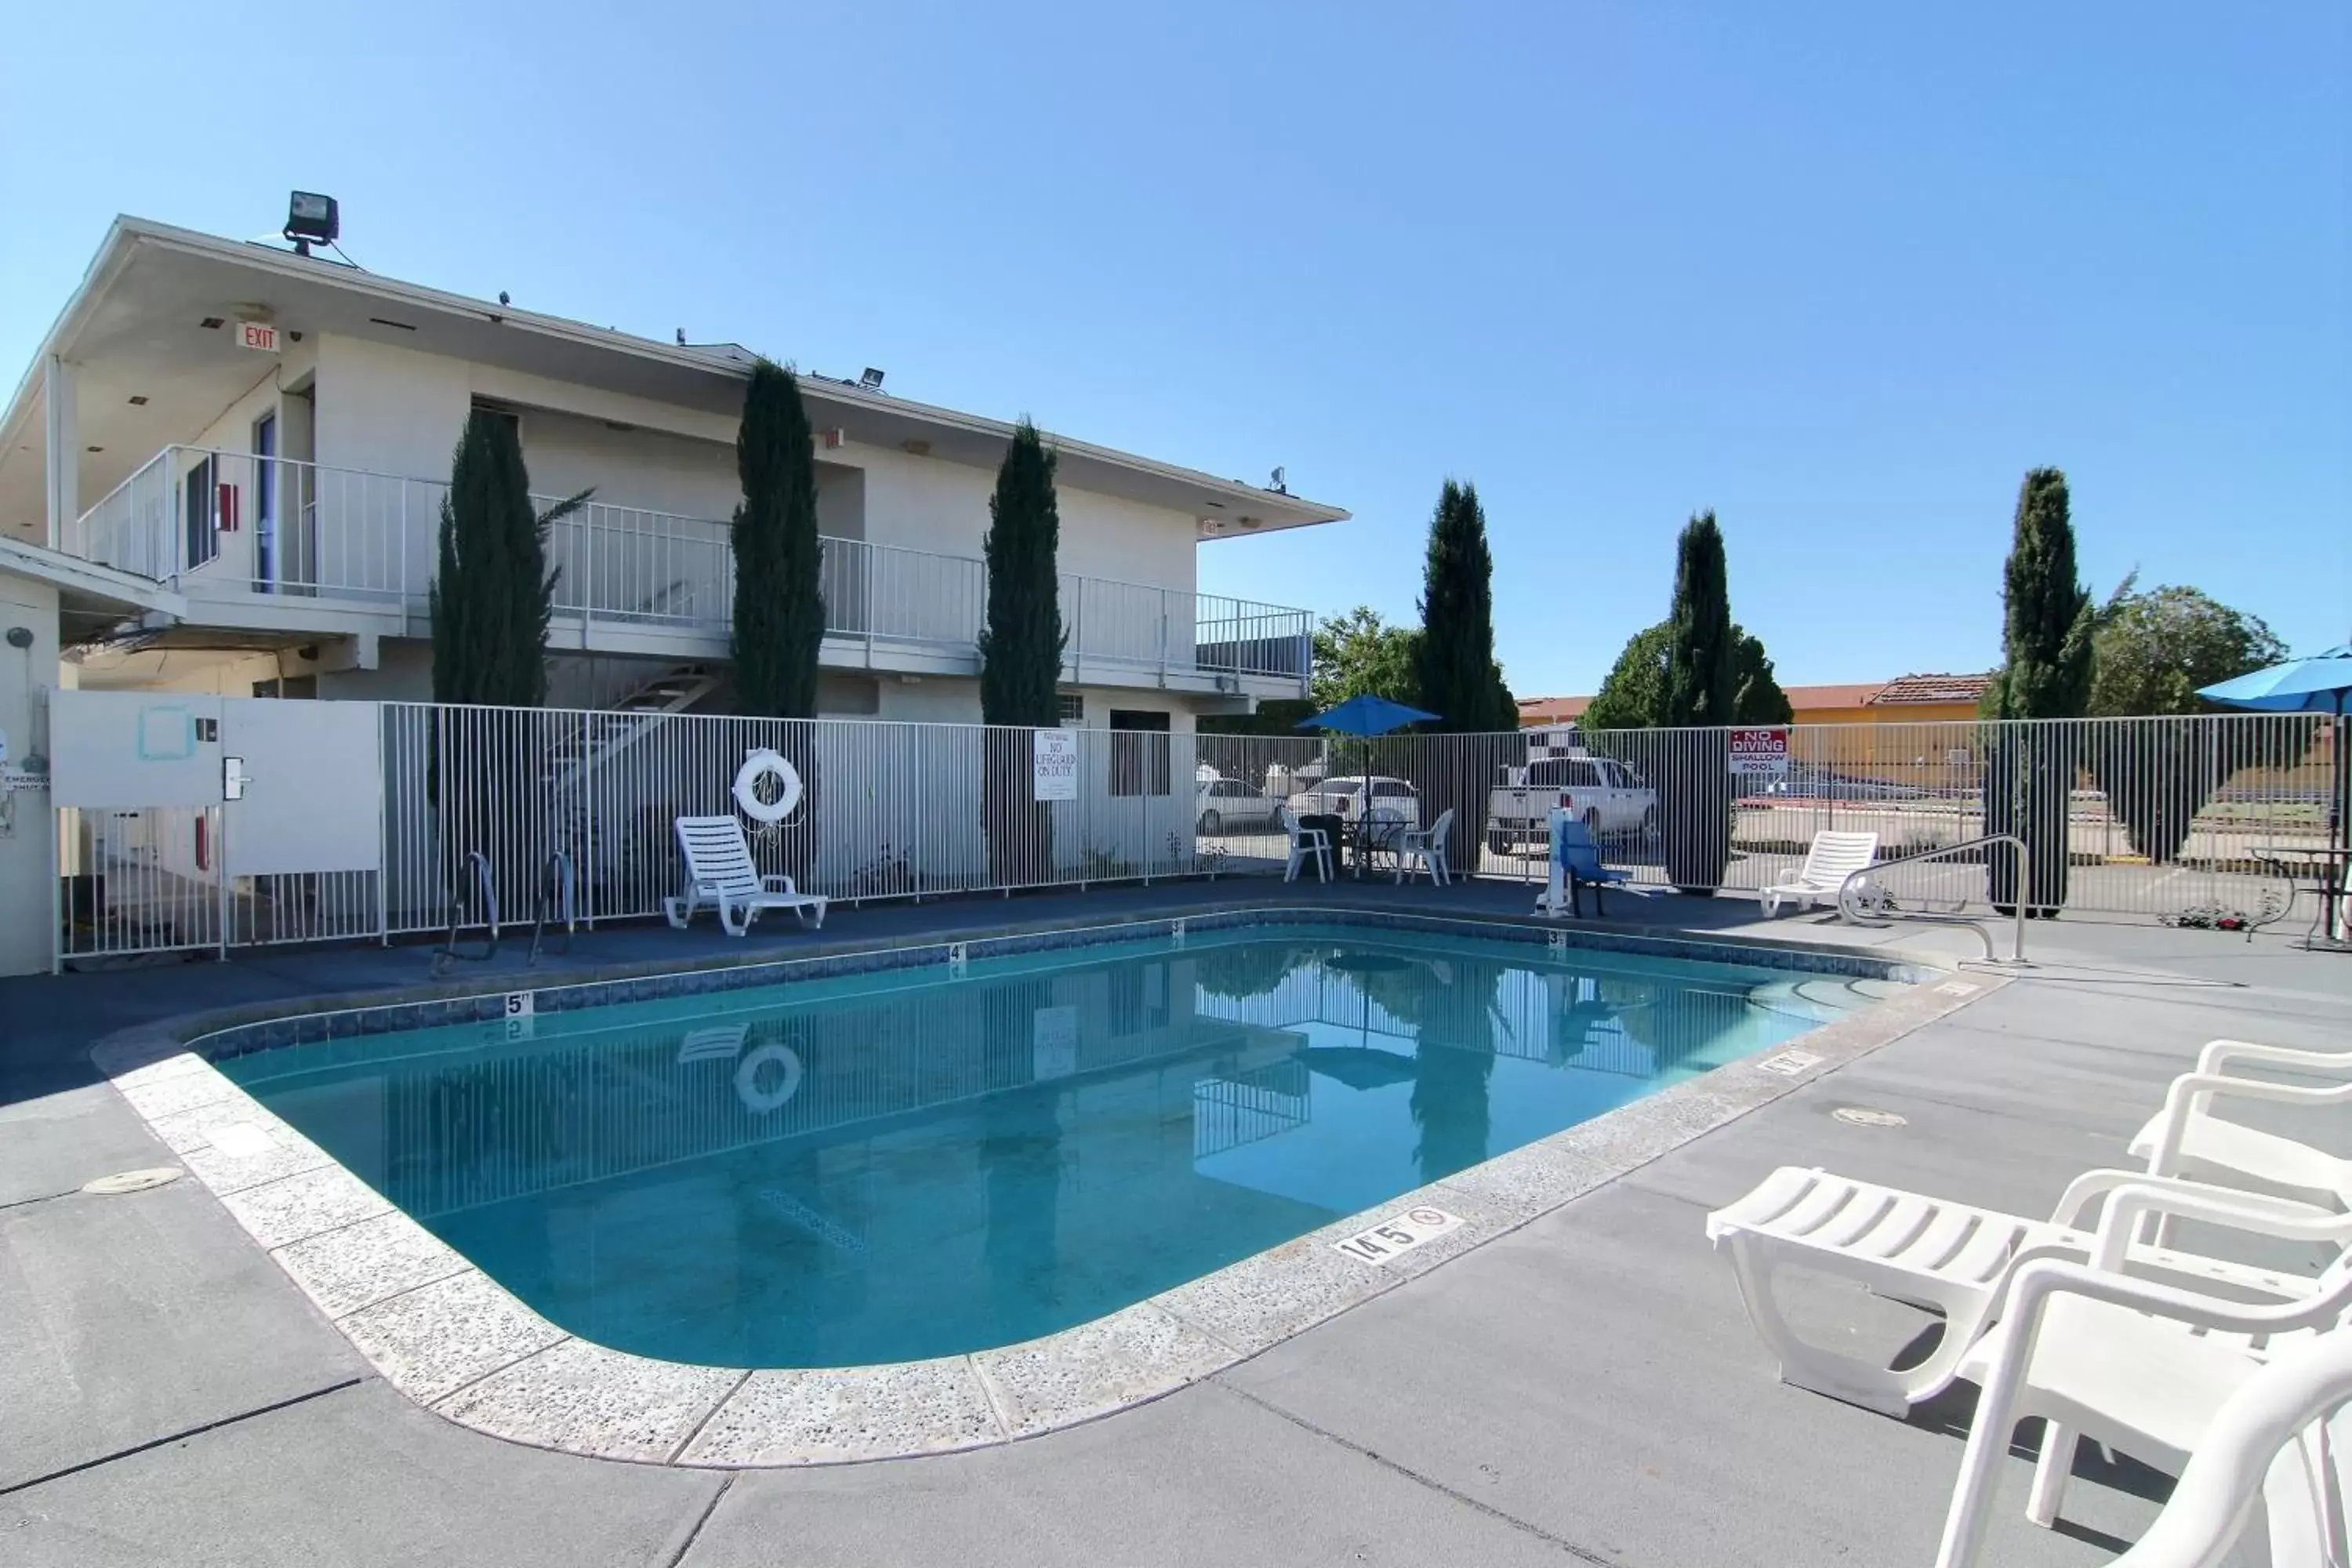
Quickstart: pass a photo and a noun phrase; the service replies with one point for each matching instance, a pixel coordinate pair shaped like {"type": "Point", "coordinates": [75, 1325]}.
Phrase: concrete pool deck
{"type": "Point", "coordinates": [1583, 1387]}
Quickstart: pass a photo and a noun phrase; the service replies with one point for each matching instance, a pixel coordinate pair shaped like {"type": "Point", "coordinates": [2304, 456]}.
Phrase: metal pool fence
{"type": "Point", "coordinates": [2142, 817]}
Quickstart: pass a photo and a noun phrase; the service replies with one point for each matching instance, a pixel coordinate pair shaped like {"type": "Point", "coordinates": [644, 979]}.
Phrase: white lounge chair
{"type": "Point", "coordinates": [2185, 1138]}
{"type": "Point", "coordinates": [720, 872]}
{"type": "Point", "coordinates": [1305, 843]}
{"type": "Point", "coordinates": [2140, 1366]}
{"type": "Point", "coordinates": [2283, 1439]}
{"type": "Point", "coordinates": [1423, 849]}
{"type": "Point", "coordinates": [1946, 1257]}
{"type": "Point", "coordinates": [1830, 860]}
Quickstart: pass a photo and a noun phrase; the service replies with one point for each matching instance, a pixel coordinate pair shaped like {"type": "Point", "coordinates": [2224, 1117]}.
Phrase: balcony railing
{"type": "Point", "coordinates": [276, 526]}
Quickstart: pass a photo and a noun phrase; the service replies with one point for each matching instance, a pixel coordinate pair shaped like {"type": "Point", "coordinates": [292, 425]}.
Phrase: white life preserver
{"type": "Point", "coordinates": [757, 766]}
{"type": "Point", "coordinates": [758, 1100]}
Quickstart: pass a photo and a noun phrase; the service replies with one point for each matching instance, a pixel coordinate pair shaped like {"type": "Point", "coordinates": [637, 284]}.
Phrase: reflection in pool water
{"type": "Point", "coordinates": [895, 1166]}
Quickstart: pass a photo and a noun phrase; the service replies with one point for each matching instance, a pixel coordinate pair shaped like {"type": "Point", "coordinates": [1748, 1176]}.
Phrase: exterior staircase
{"type": "Point", "coordinates": [578, 753]}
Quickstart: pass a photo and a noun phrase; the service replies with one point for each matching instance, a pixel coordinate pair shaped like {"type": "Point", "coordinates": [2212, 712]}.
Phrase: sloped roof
{"type": "Point", "coordinates": [1932, 688]}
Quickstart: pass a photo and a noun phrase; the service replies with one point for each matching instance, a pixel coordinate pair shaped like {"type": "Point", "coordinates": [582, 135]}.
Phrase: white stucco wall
{"type": "Point", "coordinates": [28, 860]}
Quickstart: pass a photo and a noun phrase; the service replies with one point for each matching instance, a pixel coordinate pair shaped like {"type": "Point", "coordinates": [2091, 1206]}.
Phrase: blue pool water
{"type": "Point", "coordinates": [885, 1167]}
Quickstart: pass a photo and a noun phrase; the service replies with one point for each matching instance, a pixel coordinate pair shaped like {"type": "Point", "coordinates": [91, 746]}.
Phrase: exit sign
{"type": "Point", "coordinates": [262, 335]}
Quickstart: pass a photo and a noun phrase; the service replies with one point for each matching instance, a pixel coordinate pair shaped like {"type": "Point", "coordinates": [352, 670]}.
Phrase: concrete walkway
{"type": "Point", "coordinates": [1582, 1390]}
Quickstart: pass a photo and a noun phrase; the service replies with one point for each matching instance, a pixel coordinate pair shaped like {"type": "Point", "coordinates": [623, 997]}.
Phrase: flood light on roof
{"type": "Point", "coordinates": [310, 217]}
{"type": "Point", "coordinates": [872, 380]}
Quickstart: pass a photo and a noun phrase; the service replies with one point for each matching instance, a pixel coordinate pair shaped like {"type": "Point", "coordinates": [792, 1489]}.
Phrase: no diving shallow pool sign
{"type": "Point", "coordinates": [1398, 1233]}
{"type": "Point", "coordinates": [1760, 751]}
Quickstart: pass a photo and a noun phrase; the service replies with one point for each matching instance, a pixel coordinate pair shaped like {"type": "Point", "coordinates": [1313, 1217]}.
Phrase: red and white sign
{"type": "Point", "coordinates": [1759, 750]}
{"type": "Point", "coordinates": [262, 335]}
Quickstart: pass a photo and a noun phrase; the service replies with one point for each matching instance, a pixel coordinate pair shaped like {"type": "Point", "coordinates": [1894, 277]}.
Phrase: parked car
{"type": "Point", "coordinates": [1612, 800]}
{"type": "Point", "coordinates": [1350, 797]}
{"type": "Point", "coordinates": [1227, 805]}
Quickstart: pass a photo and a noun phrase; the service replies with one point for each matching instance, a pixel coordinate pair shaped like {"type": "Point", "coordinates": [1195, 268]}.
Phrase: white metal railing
{"type": "Point", "coordinates": [2144, 816]}
{"type": "Point", "coordinates": [280, 525]}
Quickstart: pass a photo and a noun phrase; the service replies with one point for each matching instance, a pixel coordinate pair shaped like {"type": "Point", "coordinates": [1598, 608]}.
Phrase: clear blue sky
{"type": "Point", "coordinates": [1841, 272]}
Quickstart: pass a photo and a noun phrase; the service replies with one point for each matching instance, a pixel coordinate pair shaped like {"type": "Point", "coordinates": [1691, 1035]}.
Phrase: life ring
{"type": "Point", "coordinates": [760, 764]}
{"type": "Point", "coordinates": [758, 1100]}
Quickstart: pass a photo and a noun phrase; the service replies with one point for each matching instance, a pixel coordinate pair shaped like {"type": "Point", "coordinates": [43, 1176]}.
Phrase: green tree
{"type": "Point", "coordinates": [2163, 752]}
{"type": "Point", "coordinates": [2047, 627]}
{"type": "Point", "coordinates": [1359, 654]}
{"type": "Point", "coordinates": [489, 603]}
{"type": "Point", "coordinates": [1456, 674]}
{"type": "Point", "coordinates": [1020, 647]}
{"type": "Point", "coordinates": [2151, 651]}
{"type": "Point", "coordinates": [1757, 697]}
{"type": "Point", "coordinates": [492, 590]}
{"type": "Point", "coordinates": [1633, 695]}
{"type": "Point", "coordinates": [1020, 657]}
{"type": "Point", "coordinates": [779, 601]}
{"type": "Point", "coordinates": [1702, 685]}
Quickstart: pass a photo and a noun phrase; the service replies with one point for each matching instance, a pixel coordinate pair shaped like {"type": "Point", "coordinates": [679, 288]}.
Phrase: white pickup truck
{"type": "Point", "coordinates": [1613, 801]}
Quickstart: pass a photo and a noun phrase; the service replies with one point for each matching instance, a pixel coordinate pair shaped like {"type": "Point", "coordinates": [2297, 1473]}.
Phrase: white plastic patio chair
{"type": "Point", "coordinates": [720, 872]}
{"type": "Point", "coordinates": [1423, 849]}
{"type": "Point", "coordinates": [2185, 1138]}
{"type": "Point", "coordinates": [2282, 1440]}
{"type": "Point", "coordinates": [1305, 843]}
{"type": "Point", "coordinates": [2135, 1365]}
{"type": "Point", "coordinates": [1940, 1256]}
{"type": "Point", "coordinates": [1829, 862]}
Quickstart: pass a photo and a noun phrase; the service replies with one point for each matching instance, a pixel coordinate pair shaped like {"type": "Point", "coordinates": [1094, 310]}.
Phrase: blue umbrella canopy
{"type": "Point", "coordinates": [1366, 715]}
{"type": "Point", "coordinates": [2314, 685]}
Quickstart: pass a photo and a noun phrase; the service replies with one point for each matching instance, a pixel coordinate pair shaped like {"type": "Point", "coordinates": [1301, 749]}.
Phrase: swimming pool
{"type": "Point", "coordinates": [932, 1161]}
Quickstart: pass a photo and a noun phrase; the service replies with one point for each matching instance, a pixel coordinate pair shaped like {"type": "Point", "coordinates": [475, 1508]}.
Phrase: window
{"type": "Point", "coordinates": [1390, 789]}
{"type": "Point", "coordinates": [265, 502]}
{"type": "Point", "coordinates": [1139, 753]}
{"type": "Point", "coordinates": [1073, 706]}
{"type": "Point", "coordinates": [202, 521]}
{"type": "Point", "coordinates": [1563, 773]}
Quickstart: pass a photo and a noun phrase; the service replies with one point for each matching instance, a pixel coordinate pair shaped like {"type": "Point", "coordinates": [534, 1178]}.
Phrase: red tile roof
{"type": "Point", "coordinates": [1933, 688]}
{"type": "Point", "coordinates": [1538, 710]}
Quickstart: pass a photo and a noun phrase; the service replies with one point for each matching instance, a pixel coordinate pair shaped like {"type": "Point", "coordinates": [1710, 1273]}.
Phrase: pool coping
{"type": "Point", "coordinates": [456, 1342]}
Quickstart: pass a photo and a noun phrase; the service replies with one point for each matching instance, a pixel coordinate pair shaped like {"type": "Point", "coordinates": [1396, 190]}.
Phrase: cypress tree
{"type": "Point", "coordinates": [2047, 627]}
{"type": "Point", "coordinates": [489, 601]}
{"type": "Point", "coordinates": [1701, 697]}
{"type": "Point", "coordinates": [492, 592]}
{"type": "Point", "coordinates": [1020, 647]}
{"type": "Point", "coordinates": [779, 602]}
{"type": "Point", "coordinates": [1455, 675]}
{"type": "Point", "coordinates": [1020, 657]}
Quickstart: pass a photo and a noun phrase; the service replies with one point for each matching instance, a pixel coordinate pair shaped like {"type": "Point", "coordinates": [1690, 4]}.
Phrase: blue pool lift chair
{"type": "Point", "coordinates": [1576, 864]}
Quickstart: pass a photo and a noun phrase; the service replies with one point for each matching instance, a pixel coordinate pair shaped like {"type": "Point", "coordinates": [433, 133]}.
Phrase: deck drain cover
{"type": "Point", "coordinates": [133, 1180]}
{"type": "Point", "coordinates": [1861, 1116]}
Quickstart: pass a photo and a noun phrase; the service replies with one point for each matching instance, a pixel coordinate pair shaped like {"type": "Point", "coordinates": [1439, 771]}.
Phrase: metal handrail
{"type": "Point", "coordinates": [1851, 915]}
{"type": "Point", "coordinates": [485, 893]}
{"type": "Point", "coordinates": [557, 883]}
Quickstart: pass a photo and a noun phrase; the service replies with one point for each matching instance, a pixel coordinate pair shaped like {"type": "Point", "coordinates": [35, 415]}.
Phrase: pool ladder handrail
{"type": "Point", "coordinates": [558, 887]}
{"type": "Point", "coordinates": [485, 894]}
{"type": "Point", "coordinates": [1852, 915]}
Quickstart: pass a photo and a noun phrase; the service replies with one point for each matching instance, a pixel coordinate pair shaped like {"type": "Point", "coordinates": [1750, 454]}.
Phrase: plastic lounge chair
{"type": "Point", "coordinates": [1946, 1257]}
{"type": "Point", "coordinates": [1425, 848]}
{"type": "Point", "coordinates": [2283, 1441]}
{"type": "Point", "coordinates": [2138, 1365]}
{"type": "Point", "coordinates": [1578, 860]}
{"type": "Point", "coordinates": [720, 872]}
{"type": "Point", "coordinates": [1829, 862]}
{"type": "Point", "coordinates": [1304, 843]}
{"type": "Point", "coordinates": [2185, 1138]}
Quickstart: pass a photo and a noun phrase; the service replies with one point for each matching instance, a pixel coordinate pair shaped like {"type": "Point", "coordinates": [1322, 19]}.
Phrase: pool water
{"type": "Point", "coordinates": [897, 1166]}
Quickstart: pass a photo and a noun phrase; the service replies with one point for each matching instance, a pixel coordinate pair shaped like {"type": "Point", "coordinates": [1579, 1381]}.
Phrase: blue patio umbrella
{"type": "Point", "coordinates": [1365, 715]}
{"type": "Point", "coordinates": [2316, 685]}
